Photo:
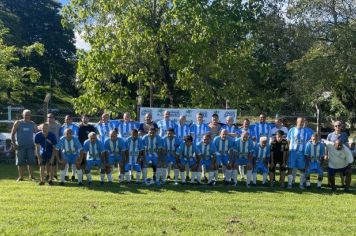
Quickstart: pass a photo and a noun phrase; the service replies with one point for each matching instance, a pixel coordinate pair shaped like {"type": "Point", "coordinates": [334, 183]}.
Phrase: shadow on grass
{"type": "Point", "coordinates": [9, 172]}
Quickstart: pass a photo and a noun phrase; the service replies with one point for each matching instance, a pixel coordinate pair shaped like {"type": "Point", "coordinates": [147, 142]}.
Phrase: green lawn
{"type": "Point", "coordinates": [29, 209]}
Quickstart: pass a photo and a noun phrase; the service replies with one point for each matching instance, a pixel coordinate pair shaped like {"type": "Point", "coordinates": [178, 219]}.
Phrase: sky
{"type": "Point", "coordinates": [79, 42]}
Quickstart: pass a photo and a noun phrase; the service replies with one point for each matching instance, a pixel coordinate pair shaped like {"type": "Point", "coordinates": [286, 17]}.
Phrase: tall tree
{"type": "Point", "coordinates": [31, 21]}
{"type": "Point", "coordinates": [186, 52]}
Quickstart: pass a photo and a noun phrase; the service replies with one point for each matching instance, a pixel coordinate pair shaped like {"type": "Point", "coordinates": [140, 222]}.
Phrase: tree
{"type": "Point", "coordinates": [31, 21]}
{"type": "Point", "coordinates": [187, 52]}
{"type": "Point", "coordinates": [14, 77]}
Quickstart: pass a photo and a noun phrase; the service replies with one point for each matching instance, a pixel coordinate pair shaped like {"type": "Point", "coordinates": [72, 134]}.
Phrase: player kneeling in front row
{"type": "Point", "coordinates": [70, 147]}
{"type": "Point", "coordinates": [261, 158]}
{"type": "Point", "coordinates": [279, 156]}
{"type": "Point", "coordinates": [135, 154]}
{"type": "Point", "coordinates": [170, 145]}
{"type": "Point", "coordinates": [95, 156]}
{"type": "Point", "coordinates": [187, 157]}
{"type": "Point", "coordinates": [116, 148]}
{"type": "Point", "coordinates": [314, 155]}
{"type": "Point", "coordinates": [208, 158]}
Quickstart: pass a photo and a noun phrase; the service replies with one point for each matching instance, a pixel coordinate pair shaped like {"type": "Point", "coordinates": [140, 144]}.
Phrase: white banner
{"type": "Point", "coordinates": [190, 114]}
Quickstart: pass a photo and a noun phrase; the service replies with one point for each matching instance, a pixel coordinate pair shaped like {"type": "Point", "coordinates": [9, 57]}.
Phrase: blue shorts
{"type": "Point", "coordinates": [190, 162]}
{"type": "Point", "coordinates": [114, 160]}
{"type": "Point", "coordinates": [70, 158]}
{"type": "Point", "coordinates": [260, 167]}
{"type": "Point", "coordinates": [296, 160]}
{"type": "Point", "coordinates": [152, 158]}
{"type": "Point", "coordinates": [135, 167]}
{"type": "Point", "coordinates": [242, 161]}
{"type": "Point", "coordinates": [170, 159]}
{"type": "Point", "coordinates": [25, 156]}
{"type": "Point", "coordinates": [91, 163]}
{"type": "Point", "coordinates": [332, 171]}
{"type": "Point", "coordinates": [206, 164]}
{"type": "Point", "coordinates": [222, 159]}
{"type": "Point", "coordinates": [314, 167]}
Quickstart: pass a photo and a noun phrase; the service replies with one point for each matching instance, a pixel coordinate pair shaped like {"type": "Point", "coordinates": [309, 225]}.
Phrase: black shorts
{"type": "Point", "coordinates": [281, 164]}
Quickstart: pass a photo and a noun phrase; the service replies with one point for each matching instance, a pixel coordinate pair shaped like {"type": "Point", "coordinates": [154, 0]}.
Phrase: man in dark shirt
{"type": "Point", "coordinates": [279, 155]}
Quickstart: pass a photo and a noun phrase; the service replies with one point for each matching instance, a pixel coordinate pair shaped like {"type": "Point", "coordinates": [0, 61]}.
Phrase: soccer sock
{"type": "Point", "coordinates": [102, 177]}
{"type": "Point", "coordinates": [63, 174]}
{"type": "Point", "coordinates": [319, 183]}
{"type": "Point", "coordinates": [234, 176]}
{"type": "Point", "coordinates": [89, 178]}
{"type": "Point", "coordinates": [164, 174]}
{"type": "Point", "coordinates": [249, 175]}
{"type": "Point", "coordinates": [264, 178]}
{"type": "Point", "coordinates": [169, 169]}
{"type": "Point", "coordinates": [294, 173]}
{"type": "Point", "coordinates": [199, 177]}
{"type": "Point", "coordinates": [254, 178]}
{"type": "Point", "coordinates": [242, 171]}
{"type": "Point", "coordinates": [302, 179]}
{"type": "Point", "coordinates": [176, 175]}
{"type": "Point", "coordinates": [128, 176]}
{"type": "Point", "coordinates": [290, 180]}
{"type": "Point", "coordinates": [307, 183]}
{"type": "Point", "coordinates": [210, 176]}
{"type": "Point", "coordinates": [109, 177]}
{"type": "Point", "coordinates": [182, 176]}
{"type": "Point", "coordinates": [80, 176]}
{"type": "Point", "coordinates": [158, 174]}
{"type": "Point", "coordinates": [144, 174]}
{"type": "Point", "coordinates": [216, 175]}
{"type": "Point", "coordinates": [228, 175]}
{"type": "Point", "coordinates": [187, 170]}
{"type": "Point", "coordinates": [66, 169]}
{"type": "Point", "coordinates": [74, 169]}
{"type": "Point", "coordinates": [193, 177]}
{"type": "Point", "coordinates": [138, 176]}
{"type": "Point", "coordinates": [223, 168]}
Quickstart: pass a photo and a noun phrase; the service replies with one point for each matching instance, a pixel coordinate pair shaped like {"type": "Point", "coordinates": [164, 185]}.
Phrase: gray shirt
{"type": "Point", "coordinates": [24, 133]}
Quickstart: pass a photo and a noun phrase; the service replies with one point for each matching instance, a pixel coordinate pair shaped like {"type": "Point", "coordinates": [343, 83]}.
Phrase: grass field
{"type": "Point", "coordinates": [29, 209]}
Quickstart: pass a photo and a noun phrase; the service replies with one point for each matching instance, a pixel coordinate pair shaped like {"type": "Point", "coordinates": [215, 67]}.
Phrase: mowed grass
{"type": "Point", "coordinates": [29, 209]}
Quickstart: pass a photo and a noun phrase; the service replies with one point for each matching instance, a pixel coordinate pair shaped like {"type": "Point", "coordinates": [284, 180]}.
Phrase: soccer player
{"type": "Point", "coordinates": [314, 155]}
{"type": "Point", "coordinates": [187, 156]}
{"type": "Point", "coordinates": [70, 147]}
{"type": "Point", "coordinates": [244, 154]}
{"type": "Point", "coordinates": [246, 127]}
{"type": "Point", "coordinates": [170, 145]}
{"type": "Point", "coordinates": [136, 150]}
{"type": "Point", "coordinates": [146, 125]}
{"type": "Point", "coordinates": [23, 130]}
{"type": "Point", "coordinates": [45, 142]}
{"type": "Point", "coordinates": [278, 126]}
{"type": "Point", "coordinates": [116, 149]}
{"type": "Point", "coordinates": [94, 152]}
{"type": "Point", "coordinates": [214, 126]}
{"type": "Point", "coordinates": [153, 147]}
{"type": "Point", "coordinates": [224, 154]}
{"type": "Point", "coordinates": [84, 129]}
{"type": "Point", "coordinates": [262, 128]}
{"type": "Point", "coordinates": [208, 158]}
{"type": "Point", "coordinates": [230, 127]}
{"type": "Point", "coordinates": [68, 123]}
{"type": "Point", "coordinates": [199, 129]}
{"type": "Point", "coordinates": [297, 138]}
{"type": "Point", "coordinates": [261, 159]}
{"type": "Point", "coordinates": [125, 127]}
{"type": "Point", "coordinates": [54, 127]}
{"type": "Point", "coordinates": [182, 129]}
{"type": "Point", "coordinates": [104, 127]}
{"type": "Point", "coordinates": [165, 124]}
{"type": "Point", "coordinates": [279, 157]}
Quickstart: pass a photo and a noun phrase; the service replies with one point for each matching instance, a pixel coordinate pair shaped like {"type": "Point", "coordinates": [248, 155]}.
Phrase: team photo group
{"type": "Point", "coordinates": [180, 153]}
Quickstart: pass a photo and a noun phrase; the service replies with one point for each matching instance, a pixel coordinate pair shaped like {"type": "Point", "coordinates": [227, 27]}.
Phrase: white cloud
{"type": "Point", "coordinates": [80, 43]}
